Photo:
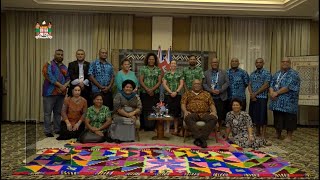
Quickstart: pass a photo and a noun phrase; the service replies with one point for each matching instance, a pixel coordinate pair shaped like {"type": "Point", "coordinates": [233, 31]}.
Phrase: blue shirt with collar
{"type": "Point", "coordinates": [102, 72]}
{"type": "Point", "coordinates": [257, 79]}
{"type": "Point", "coordinates": [239, 80]}
{"type": "Point", "coordinates": [286, 102]}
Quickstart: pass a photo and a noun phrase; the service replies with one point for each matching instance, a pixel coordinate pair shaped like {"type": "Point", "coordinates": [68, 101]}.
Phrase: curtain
{"type": "Point", "coordinates": [211, 34]}
{"type": "Point", "coordinates": [288, 37]}
{"type": "Point", "coordinates": [250, 38]}
{"type": "Point", "coordinates": [71, 31]}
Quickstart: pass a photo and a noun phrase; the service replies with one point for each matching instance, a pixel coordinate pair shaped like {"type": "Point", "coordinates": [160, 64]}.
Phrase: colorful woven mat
{"type": "Point", "coordinates": [153, 161]}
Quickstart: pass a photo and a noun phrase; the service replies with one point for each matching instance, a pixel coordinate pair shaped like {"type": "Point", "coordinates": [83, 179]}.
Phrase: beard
{"type": "Point", "coordinates": [59, 60]}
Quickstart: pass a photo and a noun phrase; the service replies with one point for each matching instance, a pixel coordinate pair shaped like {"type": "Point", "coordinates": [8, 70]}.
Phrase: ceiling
{"type": "Point", "coordinates": [272, 8]}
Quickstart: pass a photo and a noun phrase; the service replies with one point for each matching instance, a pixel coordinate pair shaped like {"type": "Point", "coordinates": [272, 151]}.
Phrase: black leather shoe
{"type": "Point", "coordinates": [203, 143]}
{"type": "Point", "coordinates": [197, 142]}
{"type": "Point", "coordinates": [49, 135]}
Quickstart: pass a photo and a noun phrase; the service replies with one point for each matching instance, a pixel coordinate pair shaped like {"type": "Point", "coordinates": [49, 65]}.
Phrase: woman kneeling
{"type": "Point", "coordinates": [240, 124]}
{"type": "Point", "coordinates": [98, 119]}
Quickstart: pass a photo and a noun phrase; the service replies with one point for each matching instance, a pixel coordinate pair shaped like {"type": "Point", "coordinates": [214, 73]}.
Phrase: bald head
{"type": "Point", "coordinates": [103, 54]}
{"type": "Point", "coordinates": [235, 63]}
{"type": "Point", "coordinates": [197, 85]}
{"type": "Point", "coordinates": [285, 63]}
{"type": "Point", "coordinates": [259, 63]}
{"type": "Point", "coordinates": [214, 63]}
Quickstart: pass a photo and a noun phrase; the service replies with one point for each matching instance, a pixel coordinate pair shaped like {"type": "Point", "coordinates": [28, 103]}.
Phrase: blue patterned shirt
{"type": "Point", "coordinates": [239, 80]}
{"type": "Point", "coordinates": [257, 79]}
{"type": "Point", "coordinates": [287, 102]}
{"type": "Point", "coordinates": [102, 72]}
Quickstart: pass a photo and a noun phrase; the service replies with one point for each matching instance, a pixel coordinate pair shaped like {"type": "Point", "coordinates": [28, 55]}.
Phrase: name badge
{"type": "Point", "coordinates": [213, 86]}
{"type": "Point", "coordinates": [277, 86]}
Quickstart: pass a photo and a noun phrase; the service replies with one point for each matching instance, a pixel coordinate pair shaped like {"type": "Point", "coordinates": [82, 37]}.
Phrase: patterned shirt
{"type": "Point", "coordinates": [257, 79]}
{"type": "Point", "coordinates": [190, 74]}
{"type": "Point", "coordinates": [173, 80]}
{"type": "Point", "coordinates": [97, 119]}
{"type": "Point", "coordinates": [120, 77]}
{"type": "Point", "coordinates": [150, 77]}
{"type": "Point", "coordinates": [52, 73]}
{"type": "Point", "coordinates": [287, 102]}
{"type": "Point", "coordinates": [239, 80]}
{"type": "Point", "coordinates": [74, 111]}
{"type": "Point", "coordinates": [197, 103]}
{"type": "Point", "coordinates": [102, 72]}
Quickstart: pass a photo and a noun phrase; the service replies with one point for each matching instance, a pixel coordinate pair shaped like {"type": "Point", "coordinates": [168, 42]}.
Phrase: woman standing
{"type": "Point", "coordinates": [127, 108]}
{"type": "Point", "coordinates": [73, 112]}
{"type": "Point", "coordinates": [150, 80]}
{"type": "Point", "coordinates": [124, 74]}
{"type": "Point", "coordinates": [240, 124]}
{"type": "Point", "coordinates": [173, 83]}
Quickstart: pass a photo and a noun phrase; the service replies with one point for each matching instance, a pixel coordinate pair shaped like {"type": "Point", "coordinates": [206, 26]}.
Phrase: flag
{"type": "Point", "coordinates": [164, 63]}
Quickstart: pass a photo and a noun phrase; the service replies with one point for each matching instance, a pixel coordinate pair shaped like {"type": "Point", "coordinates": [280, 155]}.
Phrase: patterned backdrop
{"type": "Point", "coordinates": [308, 68]}
{"type": "Point", "coordinates": [137, 57]}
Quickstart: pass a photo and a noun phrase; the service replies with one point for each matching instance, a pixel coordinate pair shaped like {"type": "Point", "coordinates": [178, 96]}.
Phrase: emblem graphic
{"type": "Point", "coordinates": [43, 31]}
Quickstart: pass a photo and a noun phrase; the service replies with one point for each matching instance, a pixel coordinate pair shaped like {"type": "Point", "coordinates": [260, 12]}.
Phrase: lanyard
{"type": "Point", "coordinates": [216, 82]}
{"type": "Point", "coordinates": [280, 79]}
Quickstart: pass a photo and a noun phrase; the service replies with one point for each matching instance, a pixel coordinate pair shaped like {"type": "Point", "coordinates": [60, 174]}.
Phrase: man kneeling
{"type": "Point", "coordinates": [200, 113]}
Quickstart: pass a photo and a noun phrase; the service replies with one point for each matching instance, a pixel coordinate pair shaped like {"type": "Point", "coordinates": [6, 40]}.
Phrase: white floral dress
{"type": "Point", "coordinates": [239, 130]}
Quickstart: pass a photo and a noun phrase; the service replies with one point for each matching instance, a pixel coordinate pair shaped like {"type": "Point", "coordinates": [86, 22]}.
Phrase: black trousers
{"type": "Point", "coordinates": [147, 103]}
{"type": "Point", "coordinates": [201, 132]}
{"type": "Point", "coordinates": [66, 134]}
{"type": "Point", "coordinates": [221, 109]}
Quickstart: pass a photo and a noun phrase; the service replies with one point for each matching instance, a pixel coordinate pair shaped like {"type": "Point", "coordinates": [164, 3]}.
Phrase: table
{"type": "Point", "coordinates": [160, 126]}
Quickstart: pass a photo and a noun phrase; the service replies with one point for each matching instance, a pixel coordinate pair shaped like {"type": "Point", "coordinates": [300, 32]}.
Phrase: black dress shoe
{"type": "Point", "coordinates": [49, 135]}
{"type": "Point", "coordinates": [203, 143]}
{"type": "Point", "coordinates": [197, 142]}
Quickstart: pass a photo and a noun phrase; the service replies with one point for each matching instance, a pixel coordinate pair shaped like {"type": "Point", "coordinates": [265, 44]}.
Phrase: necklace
{"type": "Point", "coordinates": [76, 100]}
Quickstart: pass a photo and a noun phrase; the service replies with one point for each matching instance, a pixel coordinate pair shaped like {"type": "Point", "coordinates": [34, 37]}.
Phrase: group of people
{"type": "Point", "coordinates": [92, 113]}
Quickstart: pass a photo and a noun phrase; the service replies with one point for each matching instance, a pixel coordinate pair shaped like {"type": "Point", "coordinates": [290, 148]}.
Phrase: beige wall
{"type": "Point", "coordinates": [142, 33]}
{"type": "Point", "coordinates": [314, 38]}
{"type": "Point", "coordinates": [3, 60]}
{"type": "Point", "coordinates": [181, 34]}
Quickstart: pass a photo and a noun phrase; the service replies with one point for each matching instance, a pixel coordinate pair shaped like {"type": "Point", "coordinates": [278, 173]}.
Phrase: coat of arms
{"type": "Point", "coordinates": [43, 31]}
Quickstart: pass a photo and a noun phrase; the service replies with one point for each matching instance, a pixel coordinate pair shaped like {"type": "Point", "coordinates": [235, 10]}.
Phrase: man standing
{"type": "Point", "coordinates": [216, 82]}
{"type": "Point", "coordinates": [191, 73]}
{"type": "Point", "coordinates": [101, 75]}
{"type": "Point", "coordinates": [258, 89]}
{"type": "Point", "coordinates": [239, 80]}
{"type": "Point", "coordinates": [54, 89]}
{"type": "Point", "coordinates": [197, 105]}
{"type": "Point", "coordinates": [78, 71]}
{"type": "Point", "coordinates": [284, 92]}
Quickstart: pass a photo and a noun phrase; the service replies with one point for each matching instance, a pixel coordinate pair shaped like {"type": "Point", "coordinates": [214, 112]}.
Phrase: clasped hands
{"type": "Point", "coordinates": [253, 96]}
{"type": "Point", "coordinates": [74, 127]}
{"type": "Point", "coordinates": [104, 89]}
{"type": "Point", "coordinates": [97, 131]}
{"type": "Point", "coordinates": [150, 92]}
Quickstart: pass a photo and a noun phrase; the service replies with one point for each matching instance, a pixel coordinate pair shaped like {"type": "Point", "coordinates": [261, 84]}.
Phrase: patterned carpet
{"type": "Point", "coordinates": [303, 153]}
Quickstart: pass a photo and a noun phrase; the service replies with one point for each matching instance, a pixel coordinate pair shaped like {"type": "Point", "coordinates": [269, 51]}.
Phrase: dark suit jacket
{"type": "Point", "coordinates": [73, 69]}
{"type": "Point", "coordinates": [223, 81]}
